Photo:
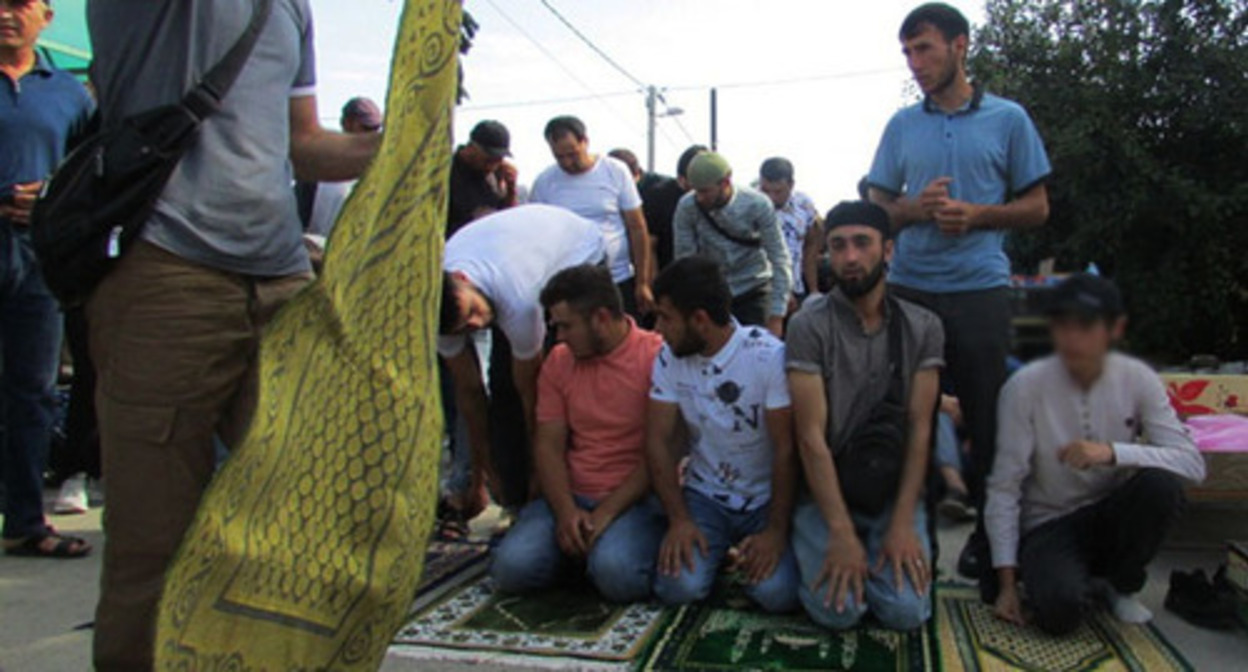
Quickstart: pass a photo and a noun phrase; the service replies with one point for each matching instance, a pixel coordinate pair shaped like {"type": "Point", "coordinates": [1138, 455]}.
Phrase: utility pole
{"type": "Point", "coordinates": [714, 119]}
{"type": "Point", "coordinates": [652, 95]}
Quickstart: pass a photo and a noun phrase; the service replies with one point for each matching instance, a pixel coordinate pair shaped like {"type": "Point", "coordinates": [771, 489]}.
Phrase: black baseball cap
{"type": "Point", "coordinates": [493, 137]}
{"type": "Point", "coordinates": [1087, 296]}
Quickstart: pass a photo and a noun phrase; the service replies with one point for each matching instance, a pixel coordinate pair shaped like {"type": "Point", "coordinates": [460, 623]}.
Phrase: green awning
{"type": "Point", "coordinates": [66, 42]}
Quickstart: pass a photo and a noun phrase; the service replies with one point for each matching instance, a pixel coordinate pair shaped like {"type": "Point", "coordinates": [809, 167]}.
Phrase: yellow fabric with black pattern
{"type": "Point", "coordinates": [308, 546]}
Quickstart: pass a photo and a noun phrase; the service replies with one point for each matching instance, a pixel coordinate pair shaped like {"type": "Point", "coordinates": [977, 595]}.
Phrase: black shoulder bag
{"type": "Point", "coordinates": [870, 463]}
{"type": "Point", "coordinates": [754, 243]}
{"type": "Point", "coordinates": [97, 202]}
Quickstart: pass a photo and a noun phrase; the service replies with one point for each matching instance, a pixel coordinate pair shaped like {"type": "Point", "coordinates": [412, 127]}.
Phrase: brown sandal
{"type": "Point", "coordinates": [65, 548]}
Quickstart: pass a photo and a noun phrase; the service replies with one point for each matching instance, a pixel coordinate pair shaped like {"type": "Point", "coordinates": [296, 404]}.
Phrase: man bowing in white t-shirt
{"type": "Point", "coordinates": [492, 276]}
{"type": "Point", "coordinates": [602, 190]}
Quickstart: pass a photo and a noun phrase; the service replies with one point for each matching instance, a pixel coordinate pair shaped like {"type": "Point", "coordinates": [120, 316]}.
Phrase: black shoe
{"type": "Point", "coordinates": [956, 507]}
{"type": "Point", "coordinates": [1223, 585]}
{"type": "Point", "coordinates": [971, 561]}
{"type": "Point", "coordinates": [1194, 598]}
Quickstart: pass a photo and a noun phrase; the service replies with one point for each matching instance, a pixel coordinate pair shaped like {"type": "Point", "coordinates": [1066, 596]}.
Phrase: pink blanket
{"type": "Point", "coordinates": [1220, 433]}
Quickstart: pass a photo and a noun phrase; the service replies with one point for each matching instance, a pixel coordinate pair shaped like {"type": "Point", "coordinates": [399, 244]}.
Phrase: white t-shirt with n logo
{"type": "Point", "coordinates": [724, 400]}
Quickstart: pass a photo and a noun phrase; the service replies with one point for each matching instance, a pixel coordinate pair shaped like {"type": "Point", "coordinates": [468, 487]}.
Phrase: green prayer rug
{"type": "Point", "coordinates": [733, 636]}
{"type": "Point", "coordinates": [972, 640]}
{"type": "Point", "coordinates": [566, 628]}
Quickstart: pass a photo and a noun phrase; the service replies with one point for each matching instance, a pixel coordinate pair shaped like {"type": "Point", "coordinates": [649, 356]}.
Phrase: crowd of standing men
{"type": "Point", "coordinates": [778, 420]}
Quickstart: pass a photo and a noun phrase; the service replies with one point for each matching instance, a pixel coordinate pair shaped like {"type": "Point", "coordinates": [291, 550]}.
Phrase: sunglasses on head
{"type": "Point", "coordinates": [20, 4]}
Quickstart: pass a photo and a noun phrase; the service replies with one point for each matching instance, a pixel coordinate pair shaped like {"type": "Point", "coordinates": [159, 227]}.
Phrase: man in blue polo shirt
{"type": "Point", "coordinates": [41, 108]}
{"type": "Point", "coordinates": [956, 172]}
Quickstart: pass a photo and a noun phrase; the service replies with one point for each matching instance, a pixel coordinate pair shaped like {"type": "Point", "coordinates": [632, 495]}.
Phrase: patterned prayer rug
{"type": "Point", "coordinates": [560, 629]}
{"type": "Point", "coordinates": [307, 549]}
{"type": "Point", "coordinates": [448, 565]}
{"type": "Point", "coordinates": [731, 635]}
{"type": "Point", "coordinates": [972, 640]}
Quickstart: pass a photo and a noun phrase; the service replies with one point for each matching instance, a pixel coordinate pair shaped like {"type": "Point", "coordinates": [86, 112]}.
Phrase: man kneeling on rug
{"type": "Point", "coordinates": [1079, 500]}
{"type": "Point", "coordinates": [864, 370]}
{"type": "Point", "coordinates": [589, 451]}
{"type": "Point", "coordinates": [727, 382]}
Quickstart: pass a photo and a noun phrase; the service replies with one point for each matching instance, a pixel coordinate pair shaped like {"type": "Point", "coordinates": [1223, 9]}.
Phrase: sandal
{"type": "Point", "coordinates": [65, 548]}
{"type": "Point", "coordinates": [453, 528]}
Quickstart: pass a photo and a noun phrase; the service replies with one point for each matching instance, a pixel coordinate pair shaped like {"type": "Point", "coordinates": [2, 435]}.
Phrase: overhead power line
{"type": "Point", "coordinates": [554, 59]}
{"type": "Point", "coordinates": [788, 81]}
{"type": "Point", "coordinates": [548, 101]}
{"type": "Point", "coordinates": [590, 43]}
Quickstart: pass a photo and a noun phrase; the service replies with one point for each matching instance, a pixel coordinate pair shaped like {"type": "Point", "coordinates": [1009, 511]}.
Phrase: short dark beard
{"type": "Point", "coordinates": [597, 345]}
{"type": "Point", "coordinates": [689, 346]}
{"type": "Point", "coordinates": [856, 289]}
{"type": "Point", "coordinates": [947, 81]}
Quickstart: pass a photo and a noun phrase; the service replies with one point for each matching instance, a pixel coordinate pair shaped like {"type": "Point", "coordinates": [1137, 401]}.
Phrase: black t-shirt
{"type": "Point", "coordinates": [660, 194]}
{"type": "Point", "coordinates": [470, 190]}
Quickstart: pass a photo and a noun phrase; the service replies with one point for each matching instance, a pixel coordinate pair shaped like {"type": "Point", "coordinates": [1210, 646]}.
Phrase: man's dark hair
{"type": "Point", "coordinates": [776, 169]}
{"type": "Point", "coordinates": [629, 159]}
{"type": "Point", "coordinates": [944, 18]}
{"type": "Point", "coordinates": [696, 283]}
{"type": "Point", "coordinates": [585, 289]}
{"type": "Point", "coordinates": [682, 165]}
{"type": "Point", "coordinates": [864, 189]}
{"type": "Point", "coordinates": [565, 125]}
{"type": "Point", "coordinates": [448, 314]}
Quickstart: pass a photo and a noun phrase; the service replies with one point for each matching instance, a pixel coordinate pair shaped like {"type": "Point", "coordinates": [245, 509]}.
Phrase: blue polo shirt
{"type": "Point", "coordinates": [39, 114]}
{"type": "Point", "coordinates": [992, 151]}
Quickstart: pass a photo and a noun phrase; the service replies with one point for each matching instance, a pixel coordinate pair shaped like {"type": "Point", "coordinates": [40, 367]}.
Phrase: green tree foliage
{"type": "Point", "coordinates": [1142, 105]}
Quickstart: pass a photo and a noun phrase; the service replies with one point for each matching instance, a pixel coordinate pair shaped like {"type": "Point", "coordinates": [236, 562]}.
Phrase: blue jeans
{"type": "Point", "coordinates": [905, 610]}
{"type": "Point", "coordinates": [30, 342]}
{"type": "Point", "coordinates": [948, 447]}
{"type": "Point", "coordinates": [724, 528]}
{"type": "Point", "coordinates": [620, 565]}
{"type": "Point", "coordinates": [458, 476]}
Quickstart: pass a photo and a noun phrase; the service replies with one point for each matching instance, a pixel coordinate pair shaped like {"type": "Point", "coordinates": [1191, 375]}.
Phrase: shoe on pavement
{"type": "Point", "coordinates": [956, 507]}
{"type": "Point", "coordinates": [970, 561]}
{"type": "Point", "coordinates": [1194, 598]}
{"type": "Point", "coordinates": [72, 499]}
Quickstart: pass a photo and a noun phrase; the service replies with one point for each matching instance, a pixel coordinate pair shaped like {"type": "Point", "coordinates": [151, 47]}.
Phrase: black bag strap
{"type": "Point", "coordinates": [754, 243]}
{"type": "Point", "coordinates": [205, 98]}
{"type": "Point", "coordinates": [896, 355]}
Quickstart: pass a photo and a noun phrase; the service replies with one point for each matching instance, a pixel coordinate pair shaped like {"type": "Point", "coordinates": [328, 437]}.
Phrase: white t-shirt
{"type": "Point", "coordinates": [724, 400]}
{"type": "Point", "coordinates": [510, 256]}
{"type": "Point", "coordinates": [602, 194]}
{"type": "Point", "coordinates": [796, 218]}
{"type": "Point", "coordinates": [330, 197]}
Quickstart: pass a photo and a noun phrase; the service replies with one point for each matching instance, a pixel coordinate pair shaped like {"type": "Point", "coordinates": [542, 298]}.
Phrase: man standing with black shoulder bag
{"type": "Point", "coordinates": [864, 375]}
{"type": "Point", "coordinates": [176, 324]}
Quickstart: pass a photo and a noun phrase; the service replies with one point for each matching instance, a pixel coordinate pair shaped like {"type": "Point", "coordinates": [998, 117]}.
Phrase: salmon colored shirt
{"type": "Point", "coordinates": [603, 403]}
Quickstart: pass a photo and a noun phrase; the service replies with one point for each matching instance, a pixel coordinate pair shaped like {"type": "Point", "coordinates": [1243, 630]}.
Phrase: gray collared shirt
{"type": "Point", "coordinates": [748, 215]}
{"type": "Point", "coordinates": [827, 338]}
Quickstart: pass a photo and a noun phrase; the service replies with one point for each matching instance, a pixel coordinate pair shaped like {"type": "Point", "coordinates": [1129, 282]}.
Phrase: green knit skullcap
{"type": "Point", "coordinates": [708, 169]}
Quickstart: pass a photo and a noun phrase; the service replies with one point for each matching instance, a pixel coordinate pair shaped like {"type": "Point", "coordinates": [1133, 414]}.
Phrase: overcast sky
{"type": "Point", "coordinates": [846, 55]}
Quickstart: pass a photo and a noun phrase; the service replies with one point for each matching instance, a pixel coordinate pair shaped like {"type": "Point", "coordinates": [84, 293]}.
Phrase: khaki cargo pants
{"type": "Point", "coordinates": [175, 344]}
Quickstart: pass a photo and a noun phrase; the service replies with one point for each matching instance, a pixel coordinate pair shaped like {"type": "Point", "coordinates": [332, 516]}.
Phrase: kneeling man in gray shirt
{"type": "Point", "coordinates": [1087, 479]}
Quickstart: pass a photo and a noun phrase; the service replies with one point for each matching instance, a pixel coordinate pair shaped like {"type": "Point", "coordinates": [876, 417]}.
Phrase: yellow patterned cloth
{"type": "Point", "coordinates": [308, 546]}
